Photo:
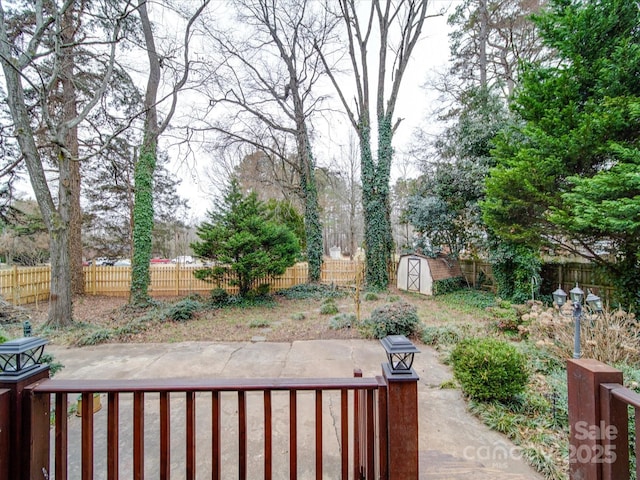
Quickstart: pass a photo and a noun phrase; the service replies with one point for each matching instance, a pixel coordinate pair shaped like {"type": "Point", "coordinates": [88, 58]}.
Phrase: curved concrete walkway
{"type": "Point", "coordinates": [453, 444]}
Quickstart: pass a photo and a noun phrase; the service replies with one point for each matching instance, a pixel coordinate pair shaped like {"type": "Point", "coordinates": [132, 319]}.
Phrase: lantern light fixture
{"type": "Point", "coordinates": [593, 302]}
{"type": "Point", "coordinates": [400, 353]}
{"type": "Point", "coordinates": [21, 356]}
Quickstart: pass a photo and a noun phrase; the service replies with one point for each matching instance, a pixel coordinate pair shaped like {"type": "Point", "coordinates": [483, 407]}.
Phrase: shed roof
{"type": "Point", "coordinates": [441, 267]}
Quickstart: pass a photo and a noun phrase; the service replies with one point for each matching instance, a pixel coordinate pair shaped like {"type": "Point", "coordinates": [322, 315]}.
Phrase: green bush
{"type": "Point", "coordinates": [329, 307]}
{"type": "Point", "coordinates": [398, 318]}
{"type": "Point", "coordinates": [3, 338]}
{"type": "Point", "coordinates": [371, 296]}
{"type": "Point", "coordinates": [444, 335]}
{"type": "Point", "coordinates": [219, 296]}
{"type": "Point", "coordinates": [183, 310]}
{"type": "Point", "coordinates": [311, 290]}
{"type": "Point", "coordinates": [342, 321]}
{"type": "Point", "coordinates": [447, 285]}
{"type": "Point", "coordinates": [489, 369]}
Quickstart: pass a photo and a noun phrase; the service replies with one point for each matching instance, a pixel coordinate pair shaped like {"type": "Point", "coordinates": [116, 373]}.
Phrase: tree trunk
{"type": "Point", "coordinates": [376, 204]}
{"type": "Point", "coordinates": [70, 112]}
{"type": "Point", "coordinates": [60, 309]}
{"type": "Point", "coordinates": [312, 225]}
{"type": "Point", "coordinates": [482, 42]}
{"type": "Point", "coordinates": [144, 173]}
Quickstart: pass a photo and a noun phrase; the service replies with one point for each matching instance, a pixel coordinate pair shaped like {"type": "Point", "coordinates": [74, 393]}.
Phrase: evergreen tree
{"type": "Point", "coordinates": [239, 236]}
{"type": "Point", "coordinates": [569, 174]}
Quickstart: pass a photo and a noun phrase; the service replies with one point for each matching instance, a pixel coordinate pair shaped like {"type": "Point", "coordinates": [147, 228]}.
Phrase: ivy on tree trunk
{"type": "Point", "coordinates": [375, 198]}
{"type": "Point", "coordinates": [312, 225]}
{"type": "Point", "coordinates": [143, 224]}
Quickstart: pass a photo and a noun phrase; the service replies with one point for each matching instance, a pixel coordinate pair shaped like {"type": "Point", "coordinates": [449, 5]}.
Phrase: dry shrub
{"type": "Point", "coordinates": [611, 337]}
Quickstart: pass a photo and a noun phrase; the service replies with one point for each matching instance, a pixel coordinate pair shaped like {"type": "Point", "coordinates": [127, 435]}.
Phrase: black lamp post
{"type": "Point", "coordinates": [577, 296]}
{"type": "Point", "coordinates": [400, 353]}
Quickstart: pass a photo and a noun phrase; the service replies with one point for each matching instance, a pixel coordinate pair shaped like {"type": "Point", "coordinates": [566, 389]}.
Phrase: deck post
{"type": "Point", "coordinates": [19, 451]}
{"type": "Point", "coordinates": [402, 424]}
{"type": "Point", "coordinates": [587, 429]}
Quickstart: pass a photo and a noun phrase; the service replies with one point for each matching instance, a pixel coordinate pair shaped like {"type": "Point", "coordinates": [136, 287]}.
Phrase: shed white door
{"type": "Point", "coordinates": [413, 274]}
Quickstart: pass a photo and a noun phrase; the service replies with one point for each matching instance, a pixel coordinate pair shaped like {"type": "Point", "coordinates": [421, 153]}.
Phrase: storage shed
{"type": "Point", "coordinates": [417, 273]}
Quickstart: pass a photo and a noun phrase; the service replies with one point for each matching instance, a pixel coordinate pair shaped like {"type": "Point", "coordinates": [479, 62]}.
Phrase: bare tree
{"type": "Point", "coordinates": [268, 81]}
{"type": "Point", "coordinates": [34, 57]}
{"type": "Point", "coordinates": [397, 26]}
{"type": "Point", "coordinates": [153, 128]}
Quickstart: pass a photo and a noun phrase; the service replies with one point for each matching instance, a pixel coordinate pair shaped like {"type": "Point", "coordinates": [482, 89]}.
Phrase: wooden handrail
{"type": "Point", "coordinates": [202, 385]}
{"type": "Point", "coordinates": [364, 394]}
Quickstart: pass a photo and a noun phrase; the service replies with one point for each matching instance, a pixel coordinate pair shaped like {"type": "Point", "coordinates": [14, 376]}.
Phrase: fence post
{"type": "Point", "coordinates": [402, 424]}
{"type": "Point", "coordinates": [26, 421]}
{"type": "Point", "coordinates": [587, 427]}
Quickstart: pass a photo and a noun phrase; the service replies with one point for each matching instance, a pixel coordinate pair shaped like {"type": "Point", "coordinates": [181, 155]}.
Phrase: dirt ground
{"type": "Point", "coordinates": [108, 319]}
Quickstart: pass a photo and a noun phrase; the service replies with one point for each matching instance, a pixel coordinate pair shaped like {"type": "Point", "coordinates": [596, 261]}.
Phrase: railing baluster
{"type": "Point", "coordinates": [360, 448]}
{"type": "Point", "coordinates": [357, 459]}
{"type": "Point", "coordinates": [636, 411]}
{"type": "Point", "coordinates": [319, 434]}
{"type": "Point", "coordinates": [5, 430]}
{"type": "Point", "coordinates": [62, 433]}
{"type": "Point", "coordinates": [191, 435]}
{"type": "Point", "coordinates": [357, 427]}
{"type": "Point", "coordinates": [293, 435]}
{"type": "Point", "coordinates": [138, 435]}
{"type": "Point", "coordinates": [113, 435]}
{"type": "Point", "coordinates": [87, 435]}
{"type": "Point", "coordinates": [344, 432]}
{"type": "Point", "coordinates": [215, 435]}
{"type": "Point", "coordinates": [370, 435]}
{"type": "Point", "coordinates": [165, 436]}
{"type": "Point", "coordinates": [268, 436]}
{"type": "Point", "coordinates": [242, 435]}
{"type": "Point", "coordinates": [383, 430]}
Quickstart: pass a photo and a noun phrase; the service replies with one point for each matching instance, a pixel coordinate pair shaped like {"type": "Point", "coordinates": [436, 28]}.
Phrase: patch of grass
{"type": "Point", "coordinates": [444, 334]}
{"type": "Point", "coordinates": [329, 307]}
{"type": "Point", "coordinates": [371, 296]}
{"type": "Point", "coordinates": [312, 291]}
{"type": "Point", "coordinates": [448, 385]}
{"type": "Point", "coordinates": [299, 316]}
{"type": "Point", "coordinates": [102, 335]}
{"type": "Point", "coordinates": [342, 320]}
{"type": "Point", "coordinates": [468, 300]}
{"type": "Point", "coordinates": [259, 323]}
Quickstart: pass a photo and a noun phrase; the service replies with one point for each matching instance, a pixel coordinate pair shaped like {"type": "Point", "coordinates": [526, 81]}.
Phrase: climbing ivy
{"type": "Point", "coordinates": [313, 228]}
{"type": "Point", "coordinates": [375, 199]}
{"type": "Point", "coordinates": [516, 269]}
{"type": "Point", "coordinates": [142, 225]}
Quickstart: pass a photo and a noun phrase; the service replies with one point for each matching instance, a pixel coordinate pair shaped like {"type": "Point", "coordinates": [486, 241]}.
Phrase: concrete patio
{"type": "Point", "coordinates": [453, 444]}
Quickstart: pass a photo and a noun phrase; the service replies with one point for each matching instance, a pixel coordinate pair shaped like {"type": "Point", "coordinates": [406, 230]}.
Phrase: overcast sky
{"type": "Point", "coordinates": [414, 105]}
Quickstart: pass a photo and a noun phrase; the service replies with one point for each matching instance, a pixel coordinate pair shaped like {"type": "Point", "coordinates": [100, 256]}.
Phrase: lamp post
{"type": "Point", "coordinates": [400, 353]}
{"type": "Point", "coordinates": [593, 302]}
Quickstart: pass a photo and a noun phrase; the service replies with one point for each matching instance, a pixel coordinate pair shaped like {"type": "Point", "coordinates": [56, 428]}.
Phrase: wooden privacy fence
{"type": "Point", "coordinates": [480, 275]}
{"type": "Point", "coordinates": [23, 285]}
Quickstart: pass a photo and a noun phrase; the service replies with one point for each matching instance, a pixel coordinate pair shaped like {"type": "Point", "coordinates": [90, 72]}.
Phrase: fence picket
{"type": "Point", "coordinates": [23, 285]}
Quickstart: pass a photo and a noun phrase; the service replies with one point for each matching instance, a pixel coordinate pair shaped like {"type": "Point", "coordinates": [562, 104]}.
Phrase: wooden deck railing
{"type": "Point", "coordinates": [599, 422]}
{"type": "Point", "coordinates": [375, 422]}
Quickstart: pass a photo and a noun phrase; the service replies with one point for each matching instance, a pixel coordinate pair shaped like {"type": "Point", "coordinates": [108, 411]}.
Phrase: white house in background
{"type": "Point", "coordinates": [417, 273]}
